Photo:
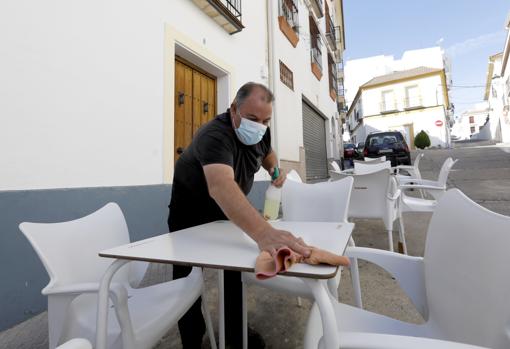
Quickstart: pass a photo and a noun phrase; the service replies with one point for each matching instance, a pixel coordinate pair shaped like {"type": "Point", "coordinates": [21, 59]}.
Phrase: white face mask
{"type": "Point", "coordinates": [250, 132]}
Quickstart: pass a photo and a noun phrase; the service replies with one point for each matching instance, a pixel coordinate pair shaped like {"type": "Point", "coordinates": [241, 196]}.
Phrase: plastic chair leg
{"type": "Point", "coordinates": [208, 321]}
{"type": "Point", "coordinates": [245, 317]}
{"type": "Point", "coordinates": [390, 240]}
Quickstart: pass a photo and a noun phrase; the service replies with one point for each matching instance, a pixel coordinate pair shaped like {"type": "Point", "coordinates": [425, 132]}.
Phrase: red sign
{"type": "Point", "coordinates": [439, 123]}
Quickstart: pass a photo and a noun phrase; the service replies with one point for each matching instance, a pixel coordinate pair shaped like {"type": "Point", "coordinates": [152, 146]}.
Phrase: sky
{"type": "Point", "coordinates": [468, 30]}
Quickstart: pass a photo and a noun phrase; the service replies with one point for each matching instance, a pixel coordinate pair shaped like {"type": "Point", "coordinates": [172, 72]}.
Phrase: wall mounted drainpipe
{"type": "Point", "coordinates": [271, 61]}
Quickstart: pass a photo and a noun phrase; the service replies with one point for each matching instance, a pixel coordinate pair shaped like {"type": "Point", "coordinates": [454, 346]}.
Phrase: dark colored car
{"type": "Point", "coordinates": [390, 144]}
{"type": "Point", "coordinates": [349, 151]}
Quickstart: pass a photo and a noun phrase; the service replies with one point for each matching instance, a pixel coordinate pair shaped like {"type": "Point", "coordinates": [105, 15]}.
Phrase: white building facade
{"type": "Point", "coordinates": [407, 101]}
{"type": "Point", "coordinates": [473, 124]}
{"type": "Point", "coordinates": [99, 98]}
{"type": "Point", "coordinates": [504, 83]}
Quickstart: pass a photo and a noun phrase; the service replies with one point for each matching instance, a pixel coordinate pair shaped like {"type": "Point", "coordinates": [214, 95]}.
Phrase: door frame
{"type": "Point", "coordinates": [178, 43]}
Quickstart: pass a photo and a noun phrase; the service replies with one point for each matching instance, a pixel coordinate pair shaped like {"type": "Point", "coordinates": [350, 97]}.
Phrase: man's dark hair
{"type": "Point", "coordinates": [247, 89]}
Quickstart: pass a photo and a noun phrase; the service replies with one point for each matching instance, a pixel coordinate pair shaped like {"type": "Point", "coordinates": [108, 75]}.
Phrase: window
{"type": "Point", "coordinates": [471, 119]}
{"type": "Point", "coordinates": [288, 20]}
{"type": "Point", "coordinates": [333, 87]}
{"type": "Point", "coordinates": [473, 129]}
{"type": "Point", "coordinates": [388, 101]}
{"type": "Point", "coordinates": [315, 46]}
{"type": "Point", "coordinates": [286, 76]}
{"type": "Point", "coordinates": [413, 98]}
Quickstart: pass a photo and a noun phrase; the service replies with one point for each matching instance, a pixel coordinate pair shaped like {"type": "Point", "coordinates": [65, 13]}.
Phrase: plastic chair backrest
{"type": "Point", "coordinates": [363, 168]}
{"type": "Point", "coordinates": [445, 171]}
{"type": "Point", "coordinates": [380, 159]}
{"type": "Point", "coordinates": [417, 160]}
{"type": "Point", "coordinates": [294, 176]}
{"type": "Point", "coordinates": [467, 272]}
{"type": "Point", "coordinates": [369, 194]}
{"type": "Point", "coordinates": [69, 250]}
{"type": "Point", "coordinates": [335, 166]}
{"type": "Point", "coordinates": [318, 202]}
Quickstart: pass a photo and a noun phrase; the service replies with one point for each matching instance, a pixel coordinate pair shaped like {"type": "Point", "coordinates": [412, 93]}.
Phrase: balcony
{"type": "Point", "coordinates": [388, 107]}
{"type": "Point", "coordinates": [318, 6]}
{"type": "Point", "coordinates": [331, 32]}
{"type": "Point", "coordinates": [227, 13]}
{"type": "Point", "coordinates": [288, 20]}
{"type": "Point", "coordinates": [338, 37]}
{"type": "Point", "coordinates": [413, 103]}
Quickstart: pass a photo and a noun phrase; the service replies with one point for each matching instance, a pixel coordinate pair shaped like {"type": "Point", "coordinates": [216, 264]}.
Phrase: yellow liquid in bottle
{"type": "Point", "coordinates": [271, 209]}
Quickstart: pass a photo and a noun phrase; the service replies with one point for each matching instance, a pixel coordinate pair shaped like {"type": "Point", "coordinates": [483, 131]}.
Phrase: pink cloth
{"type": "Point", "coordinates": [267, 266]}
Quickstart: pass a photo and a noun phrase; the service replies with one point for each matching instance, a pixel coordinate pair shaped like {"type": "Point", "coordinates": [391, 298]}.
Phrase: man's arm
{"type": "Point", "coordinates": [225, 191]}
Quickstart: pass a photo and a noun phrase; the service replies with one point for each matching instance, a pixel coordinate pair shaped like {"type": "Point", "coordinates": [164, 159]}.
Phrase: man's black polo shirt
{"type": "Point", "coordinates": [214, 143]}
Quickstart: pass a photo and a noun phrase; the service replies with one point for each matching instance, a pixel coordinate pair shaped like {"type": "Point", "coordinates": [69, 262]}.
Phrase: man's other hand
{"type": "Point", "coordinates": [274, 239]}
{"type": "Point", "coordinates": [278, 182]}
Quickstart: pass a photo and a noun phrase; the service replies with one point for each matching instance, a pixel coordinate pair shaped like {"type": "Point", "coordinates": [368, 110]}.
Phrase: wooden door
{"type": "Point", "coordinates": [195, 103]}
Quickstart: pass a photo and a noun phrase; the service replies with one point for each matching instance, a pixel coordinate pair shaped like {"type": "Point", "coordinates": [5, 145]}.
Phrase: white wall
{"type": "Point", "coordinates": [82, 86]}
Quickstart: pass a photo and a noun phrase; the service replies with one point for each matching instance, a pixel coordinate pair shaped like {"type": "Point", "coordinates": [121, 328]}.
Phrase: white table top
{"type": "Point", "coordinates": [222, 245]}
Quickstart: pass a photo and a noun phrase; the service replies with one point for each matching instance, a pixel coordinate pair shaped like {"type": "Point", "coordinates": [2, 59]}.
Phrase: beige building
{"type": "Point", "coordinates": [407, 101]}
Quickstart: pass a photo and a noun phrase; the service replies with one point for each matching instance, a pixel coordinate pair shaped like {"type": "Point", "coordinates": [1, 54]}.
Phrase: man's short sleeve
{"type": "Point", "coordinates": [215, 147]}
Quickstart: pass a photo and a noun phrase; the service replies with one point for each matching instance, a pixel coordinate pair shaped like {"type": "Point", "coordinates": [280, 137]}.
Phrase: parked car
{"type": "Point", "coordinates": [359, 150]}
{"type": "Point", "coordinates": [390, 144]}
{"type": "Point", "coordinates": [349, 151]}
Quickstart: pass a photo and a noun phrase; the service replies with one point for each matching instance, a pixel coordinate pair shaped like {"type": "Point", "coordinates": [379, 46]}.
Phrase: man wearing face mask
{"type": "Point", "coordinates": [211, 180]}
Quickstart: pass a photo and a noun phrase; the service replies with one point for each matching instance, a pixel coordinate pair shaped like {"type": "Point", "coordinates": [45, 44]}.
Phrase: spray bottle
{"type": "Point", "coordinates": [273, 198]}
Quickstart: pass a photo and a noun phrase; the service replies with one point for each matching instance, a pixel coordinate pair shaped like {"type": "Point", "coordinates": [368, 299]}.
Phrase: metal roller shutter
{"type": "Point", "coordinates": [314, 139]}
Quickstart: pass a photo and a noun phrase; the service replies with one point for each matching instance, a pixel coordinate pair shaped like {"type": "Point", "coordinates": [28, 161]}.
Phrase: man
{"type": "Point", "coordinates": [211, 180]}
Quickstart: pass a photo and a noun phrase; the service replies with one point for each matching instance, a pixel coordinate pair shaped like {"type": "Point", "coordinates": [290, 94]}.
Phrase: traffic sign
{"type": "Point", "coordinates": [439, 123]}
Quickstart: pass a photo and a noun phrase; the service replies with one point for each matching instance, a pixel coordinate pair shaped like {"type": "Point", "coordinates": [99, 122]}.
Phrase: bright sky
{"type": "Point", "coordinates": [469, 30]}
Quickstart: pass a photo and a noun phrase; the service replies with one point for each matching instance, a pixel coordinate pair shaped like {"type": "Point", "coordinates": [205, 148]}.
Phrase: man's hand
{"type": "Point", "coordinates": [278, 182]}
{"type": "Point", "coordinates": [273, 239]}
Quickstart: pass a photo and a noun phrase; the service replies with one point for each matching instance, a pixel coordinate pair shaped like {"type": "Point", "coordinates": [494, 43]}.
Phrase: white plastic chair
{"type": "Point", "coordinates": [379, 159]}
{"type": "Point", "coordinates": [77, 343]}
{"type": "Point", "coordinates": [335, 166]}
{"type": "Point", "coordinates": [413, 171]}
{"type": "Point", "coordinates": [294, 176]}
{"type": "Point", "coordinates": [460, 286]}
{"type": "Point", "coordinates": [69, 252]}
{"type": "Point", "coordinates": [361, 340]}
{"type": "Point", "coordinates": [435, 188]}
{"type": "Point", "coordinates": [375, 195]}
{"type": "Point", "coordinates": [319, 202]}
{"type": "Point", "coordinates": [362, 167]}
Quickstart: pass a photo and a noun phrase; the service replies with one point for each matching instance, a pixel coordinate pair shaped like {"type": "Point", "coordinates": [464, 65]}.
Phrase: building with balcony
{"type": "Point", "coordinates": [101, 97]}
{"type": "Point", "coordinates": [407, 101]}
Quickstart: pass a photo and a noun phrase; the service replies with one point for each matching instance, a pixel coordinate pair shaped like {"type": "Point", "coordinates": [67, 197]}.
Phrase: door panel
{"type": "Point", "coordinates": [192, 90]}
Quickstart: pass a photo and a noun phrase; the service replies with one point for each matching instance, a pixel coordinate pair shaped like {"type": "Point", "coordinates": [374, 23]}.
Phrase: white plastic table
{"type": "Point", "coordinates": [222, 245]}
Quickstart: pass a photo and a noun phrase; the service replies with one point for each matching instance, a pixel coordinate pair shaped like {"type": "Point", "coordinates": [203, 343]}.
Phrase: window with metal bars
{"type": "Point", "coordinates": [286, 76]}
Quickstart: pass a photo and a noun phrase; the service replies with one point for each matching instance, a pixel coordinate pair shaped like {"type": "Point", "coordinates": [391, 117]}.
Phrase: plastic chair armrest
{"type": "Point", "coordinates": [407, 270]}
{"type": "Point", "coordinates": [421, 186]}
{"type": "Point", "coordinates": [361, 340]}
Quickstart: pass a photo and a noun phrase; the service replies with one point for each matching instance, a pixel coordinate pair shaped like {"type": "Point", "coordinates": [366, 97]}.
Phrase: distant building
{"type": "Point", "coordinates": [494, 95]}
{"type": "Point", "coordinates": [473, 123]}
{"type": "Point", "coordinates": [408, 101]}
{"type": "Point", "coordinates": [359, 71]}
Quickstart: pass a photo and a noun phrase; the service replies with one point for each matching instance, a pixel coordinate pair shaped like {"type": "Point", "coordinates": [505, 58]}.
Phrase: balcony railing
{"type": "Point", "coordinates": [413, 102]}
{"type": "Point", "coordinates": [289, 11]}
{"type": "Point", "coordinates": [317, 56]}
{"type": "Point", "coordinates": [318, 7]}
{"type": "Point", "coordinates": [338, 36]}
{"type": "Point", "coordinates": [330, 32]}
{"type": "Point", "coordinates": [227, 13]}
{"type": "Point", "coordinates": [388, 107]}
